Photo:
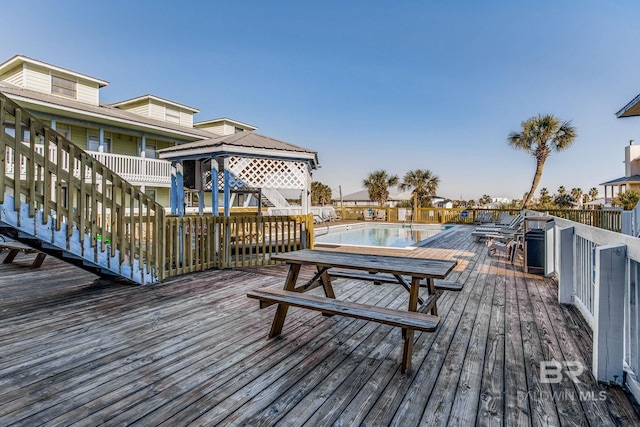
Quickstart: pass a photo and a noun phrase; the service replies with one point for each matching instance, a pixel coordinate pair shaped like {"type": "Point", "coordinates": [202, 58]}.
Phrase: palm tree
{"type": "Point", "coordinates": [424, 184]}
{"type": "Point", "coordinates": [320, 193]}
{"type": "Point", "coordinates": [561, 190]}
{"type": "Point", "coordinates": [485, 199]}
{"type": "Point", "coordinates": [628, 200]}
{"type": "Point", "coordinates": [593, 193]}
{"type": "Point", "coordinates": [545, 197]}
{"type": "Point", "coordinates": [539, 137]}
{"type": "Point", "coordinates": [378, 183]}
{"type": "Point", "coordinates": [576, 193]}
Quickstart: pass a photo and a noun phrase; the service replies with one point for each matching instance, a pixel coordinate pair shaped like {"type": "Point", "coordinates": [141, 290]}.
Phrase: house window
{"type": "Point", "coordinates": [171, 115]}
{"type": "Point", "coordinates": [150, 151]}
{"type": "Point", "coordinates": [151, 194]}
{"type": "Point", "coordinates": [93, 144]}
{"type": "Point", "coordinates": [237, 129]}
{"type": "Point", "coordinates": [63, 87]}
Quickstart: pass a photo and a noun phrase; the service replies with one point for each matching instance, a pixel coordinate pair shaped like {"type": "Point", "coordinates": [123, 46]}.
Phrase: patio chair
{"type": "Point", "coordinates": [380, 215]}
{"type": "Point", "coordinates": [367, 214]}
{"type": "Point", "coordinates": [512, 247]}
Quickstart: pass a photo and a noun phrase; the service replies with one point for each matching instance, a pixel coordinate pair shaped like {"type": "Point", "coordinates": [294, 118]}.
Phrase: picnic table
{"type": "Point", "coordinates": [16, 247]}
{"type": "Point", "coordinates": [411, 273]}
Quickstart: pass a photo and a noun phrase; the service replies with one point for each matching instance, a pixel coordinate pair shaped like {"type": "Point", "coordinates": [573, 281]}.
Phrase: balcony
{"type": "Point", "coordinates": [136, 170]}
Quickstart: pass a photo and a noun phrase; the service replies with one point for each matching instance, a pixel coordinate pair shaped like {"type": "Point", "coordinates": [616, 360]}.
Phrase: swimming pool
{"type": "Point", "coordinates": [381, 234]}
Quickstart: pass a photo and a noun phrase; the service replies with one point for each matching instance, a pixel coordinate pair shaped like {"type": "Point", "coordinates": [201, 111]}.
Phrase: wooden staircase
{"type": "Point", "coordinates": [58, 199]}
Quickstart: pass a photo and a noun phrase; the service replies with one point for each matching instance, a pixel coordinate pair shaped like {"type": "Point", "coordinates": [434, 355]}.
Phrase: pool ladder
{"type": "Point", "coordinates": [320, 220]}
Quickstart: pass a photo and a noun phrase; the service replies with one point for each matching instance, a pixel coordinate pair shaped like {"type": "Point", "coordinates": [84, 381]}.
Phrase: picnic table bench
{"type": "Point", "coordinates": [375, 268]}
{"type": "Point", "coordinates": [16, 247]}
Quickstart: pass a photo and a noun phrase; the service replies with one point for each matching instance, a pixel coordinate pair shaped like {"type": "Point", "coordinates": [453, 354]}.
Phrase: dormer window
{"type": "Point", "coordinates": [64, 87]}
{"type": "Point", "coordinates": [171, 115]}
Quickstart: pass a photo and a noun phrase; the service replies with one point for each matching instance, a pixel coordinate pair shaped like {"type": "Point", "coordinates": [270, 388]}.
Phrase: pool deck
{"type": "Point", "coordinates": [193, 350]}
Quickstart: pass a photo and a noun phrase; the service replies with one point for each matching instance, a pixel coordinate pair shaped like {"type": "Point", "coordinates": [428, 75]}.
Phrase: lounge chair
{"type": "Point", "coordinates": [514, 226]}
{"type": "Point", "coordinates": [367, 214]}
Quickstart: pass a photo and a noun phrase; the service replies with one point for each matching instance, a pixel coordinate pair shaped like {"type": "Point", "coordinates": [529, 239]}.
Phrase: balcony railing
{"type": "Point", "coordinates": [136, 170]}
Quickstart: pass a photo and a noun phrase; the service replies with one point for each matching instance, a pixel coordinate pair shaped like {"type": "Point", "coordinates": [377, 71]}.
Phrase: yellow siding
{"type": "Point", "coordinates": [217, 129]}
{"type": "Point", "coordinates": [14, 76]}
{"type": "Point", "coordinates": [157, 111]}
{"type": "Point", "coordinates": [141, 108]}
{"type": "Point", "coordinates": [124, 144]}
{"type": "Point", "coordinates": [37, 79]}
{"type": "Point", "coordinates": [79, 136]}
{"type": "Point", "coordinates": [87, 92]}
{"type": "Point", "coordinates": [163, 196]}
{"type": "Point", "coordinates": [186, 119]}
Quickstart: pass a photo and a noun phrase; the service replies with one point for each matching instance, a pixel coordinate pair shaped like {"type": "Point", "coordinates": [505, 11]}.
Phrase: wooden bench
{"type": "Point", "coordinates": [440, 285]}
{"type": "Point", "coordinates": [15, 247]}
{"type": "Point", "coordinates": [388, 316]}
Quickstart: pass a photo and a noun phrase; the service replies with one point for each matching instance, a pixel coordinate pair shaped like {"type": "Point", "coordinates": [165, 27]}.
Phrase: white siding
{"type": "Point", "coordinates": [37, 78]}
{"type": "Point", "coordinates": [87, 92]}
{"type": "Point", "coordinates": [14, 76]}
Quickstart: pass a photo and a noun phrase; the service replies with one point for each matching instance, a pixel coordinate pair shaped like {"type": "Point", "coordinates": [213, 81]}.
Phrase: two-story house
{"type": "Point", "coordinates": [124, 135]}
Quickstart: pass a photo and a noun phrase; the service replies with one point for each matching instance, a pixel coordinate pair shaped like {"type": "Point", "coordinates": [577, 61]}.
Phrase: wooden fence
{"type": "Point", "coordinates": [605, 219]}
{"type": "Point", "coordinates": [195, 243]}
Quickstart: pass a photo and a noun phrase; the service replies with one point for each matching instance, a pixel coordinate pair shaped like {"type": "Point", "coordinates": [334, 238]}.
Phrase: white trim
{"type": "Point", "coordinates": [224, 148]}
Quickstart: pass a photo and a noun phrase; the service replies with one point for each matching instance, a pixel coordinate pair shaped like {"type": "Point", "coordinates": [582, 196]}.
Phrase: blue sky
{"type": "Point", "coordinates": [370, 85]}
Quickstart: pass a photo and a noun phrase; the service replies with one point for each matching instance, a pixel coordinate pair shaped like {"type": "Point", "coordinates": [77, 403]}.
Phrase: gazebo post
{"type": "Point", "coordinates": [177, 189]}
{"type": "Point", "coordinates": [200, 186]}
{"type": "Point", "coordinates": [227, 187]}
{"type": "Point", "coordinates": [214, 186]}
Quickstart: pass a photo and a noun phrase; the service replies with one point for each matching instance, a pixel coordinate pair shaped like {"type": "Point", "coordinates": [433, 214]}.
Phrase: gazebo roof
{"type": "Point", "coordinates": [245, 144]}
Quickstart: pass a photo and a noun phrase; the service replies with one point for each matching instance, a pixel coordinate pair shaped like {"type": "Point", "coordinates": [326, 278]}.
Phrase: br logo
{"type": "Point", "coordinates": [552, 372]}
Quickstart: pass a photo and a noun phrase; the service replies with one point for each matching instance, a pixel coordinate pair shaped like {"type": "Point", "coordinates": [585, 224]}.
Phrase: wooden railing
{"type": "Point", "coordinates": [68, 199]}
{"type": "Point", "coordinates": [195, 243]}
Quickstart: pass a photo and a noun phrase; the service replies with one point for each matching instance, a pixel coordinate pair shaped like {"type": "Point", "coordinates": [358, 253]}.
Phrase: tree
{"type": "Point", "coordinates": [593, 193]}
{"type": "Point", "coordinates": [576, 193]}
{"type": "Point", "coordinates": [320, 193]}
{"type": "Point", "coordinates": [545, 197]}
{"type": "Point", "coordinates": [539, 137]}
{"type": "Point", "coordinates": [561, 190]}
{"type": "Point", "coordinates": [424, 184]}
{"type": "Point", "coordinates": [485, 199]}
{"type": "Point", "coordinates": [378, 183]}
{"type": "Point", "coordinates": [628, 200]}
{"type": "Point", "coordinates": [564, 201]}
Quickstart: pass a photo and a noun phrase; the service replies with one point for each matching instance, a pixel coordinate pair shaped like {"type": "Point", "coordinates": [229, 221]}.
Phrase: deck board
{"type": "Point", "coordinates": [193, 350]}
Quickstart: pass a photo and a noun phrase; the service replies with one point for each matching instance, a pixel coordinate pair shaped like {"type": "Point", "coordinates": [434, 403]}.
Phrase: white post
{"type": "Point", "coordinates": [566, 273]}
{"type": "Point", "coordinates": [608, 307]}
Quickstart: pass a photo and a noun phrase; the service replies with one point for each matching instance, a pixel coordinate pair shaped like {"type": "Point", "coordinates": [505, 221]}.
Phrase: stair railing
{"type": "Point", "coordinates": [55, 190]}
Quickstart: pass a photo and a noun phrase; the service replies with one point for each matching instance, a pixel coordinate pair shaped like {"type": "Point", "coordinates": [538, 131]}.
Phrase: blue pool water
{"type": "Point", "coordinates": [385, 235]}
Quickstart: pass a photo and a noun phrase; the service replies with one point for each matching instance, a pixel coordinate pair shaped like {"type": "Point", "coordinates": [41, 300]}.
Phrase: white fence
{"type": "Point", "coordinates": [599, 274]}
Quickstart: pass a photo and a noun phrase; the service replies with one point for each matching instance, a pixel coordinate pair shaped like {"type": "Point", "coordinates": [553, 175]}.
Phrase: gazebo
{"type": "Point", "coordinates": [244, 162]}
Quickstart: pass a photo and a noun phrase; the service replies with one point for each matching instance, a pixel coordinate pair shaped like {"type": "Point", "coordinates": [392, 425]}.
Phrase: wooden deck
{"type": "Point", "coordinates": [76, 349]}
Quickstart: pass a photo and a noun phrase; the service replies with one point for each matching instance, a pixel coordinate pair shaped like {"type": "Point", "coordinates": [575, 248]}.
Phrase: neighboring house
{"type": "Point", "coordinates": [361, 198]}
{"type": "Point", "coordinates": [126, 135]}
{"type": "Point", "coordinates": [631, 178]}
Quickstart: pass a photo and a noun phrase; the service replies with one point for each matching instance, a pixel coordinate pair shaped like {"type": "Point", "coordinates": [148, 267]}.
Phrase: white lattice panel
{"type": "Point", "coordinates": [270, 173]}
